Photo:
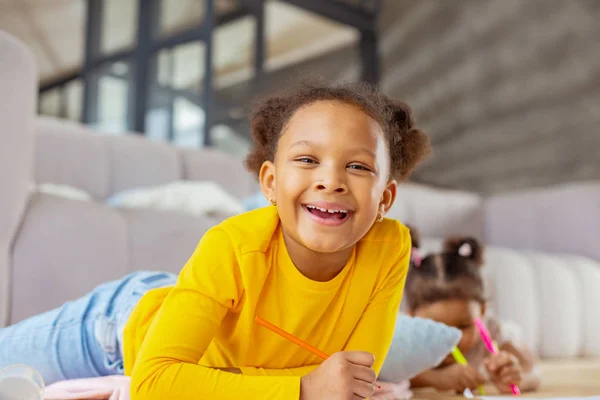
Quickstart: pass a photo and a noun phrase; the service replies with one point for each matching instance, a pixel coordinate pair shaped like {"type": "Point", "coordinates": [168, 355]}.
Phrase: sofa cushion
{"type": "Point", "coordinates": [226, 169]}
{"type": "Point", "coordinates": [589, 281]}
{"type": "Point", "coordinates": [438, 212]}
{"type": "Point", "coordinates": [163, 240]}
{"type": "Point", "coordinates": [138, 162]}
{"type": "Point", "coordinates": [564, 218]}
{"type": "Point", "coordinates": [63, 250]}
{"type": "Point", "coordinates": [71, 154]}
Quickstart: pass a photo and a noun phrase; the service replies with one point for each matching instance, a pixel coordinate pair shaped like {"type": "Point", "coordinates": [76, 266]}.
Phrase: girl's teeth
{"type": "Point", "coordinates": [329, 211]}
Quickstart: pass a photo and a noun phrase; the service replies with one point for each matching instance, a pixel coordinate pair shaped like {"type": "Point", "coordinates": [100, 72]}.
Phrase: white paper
{"type": "Point", "coordinates": [546, 398]}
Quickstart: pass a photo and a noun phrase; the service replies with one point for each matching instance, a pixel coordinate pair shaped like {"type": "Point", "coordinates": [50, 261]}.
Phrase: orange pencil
{"type": "Point", "coordinates": [293, 339]}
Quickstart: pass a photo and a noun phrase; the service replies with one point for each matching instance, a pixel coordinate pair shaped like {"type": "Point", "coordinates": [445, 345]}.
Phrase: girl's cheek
{"type": "Point", "coordinates": [464, 345]}
{"type": "Point", "coordinates": [468, 340]}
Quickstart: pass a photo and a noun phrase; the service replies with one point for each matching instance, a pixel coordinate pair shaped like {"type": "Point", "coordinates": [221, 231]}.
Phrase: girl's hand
{"type": "Point", "coordinates": [458, 378]}
{"type": "Point", "coordinates": [346, 375]}
{"type": "Point", "coordinates": [504, 369]}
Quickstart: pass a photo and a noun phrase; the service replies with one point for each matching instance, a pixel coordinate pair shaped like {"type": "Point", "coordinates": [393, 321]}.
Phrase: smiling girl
{"type": "Point", "coordinates": [322, 263]}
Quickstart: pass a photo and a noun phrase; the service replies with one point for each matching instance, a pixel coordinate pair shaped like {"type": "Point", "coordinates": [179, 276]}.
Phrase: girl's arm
{"type": "Point", "coordinates": [298, 371]}
{"type": "Point", "coordinates": [452, 377]}
{"type": "Point", "coordinates": [426, 378]}
{"type": "Point", "coordinates": [166, 366]}
{"type": "Point", "coordinates": [252, 371]}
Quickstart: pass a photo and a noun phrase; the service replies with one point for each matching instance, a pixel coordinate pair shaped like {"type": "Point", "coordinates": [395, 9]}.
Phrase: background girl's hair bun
{"type": "Point", "coordinates": [467, 247]}
{"type": "Point", "coordinates": [415, 236]}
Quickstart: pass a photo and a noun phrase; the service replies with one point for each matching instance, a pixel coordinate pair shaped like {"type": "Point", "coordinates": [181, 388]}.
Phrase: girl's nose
{"type": "Point", "coordinates": [333, 182]}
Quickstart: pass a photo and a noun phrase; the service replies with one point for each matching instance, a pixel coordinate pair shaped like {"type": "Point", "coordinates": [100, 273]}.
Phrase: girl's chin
{"type": "Point", "coordinates": [321, 247]}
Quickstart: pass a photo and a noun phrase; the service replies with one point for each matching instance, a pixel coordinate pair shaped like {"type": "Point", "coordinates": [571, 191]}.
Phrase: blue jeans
{"type": "Point", "coordinates": [82, 338]}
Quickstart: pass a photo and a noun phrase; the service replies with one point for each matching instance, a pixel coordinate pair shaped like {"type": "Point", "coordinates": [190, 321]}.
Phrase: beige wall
{"type": "Point", "coordinates": [508, 89]}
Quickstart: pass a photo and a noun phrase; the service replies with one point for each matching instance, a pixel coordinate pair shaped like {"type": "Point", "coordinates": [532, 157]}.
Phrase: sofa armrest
{"type": "Point", "coordinates": [18, 95]}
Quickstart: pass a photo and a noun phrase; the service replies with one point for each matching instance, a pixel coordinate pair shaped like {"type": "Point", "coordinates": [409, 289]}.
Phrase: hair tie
{"type": "Point", "coordinates": [415, 257]}
{"type": "Point", "coordinates": [465, 250]}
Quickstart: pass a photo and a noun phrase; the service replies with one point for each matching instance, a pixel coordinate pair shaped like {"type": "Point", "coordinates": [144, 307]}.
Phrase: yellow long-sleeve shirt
{"type": "Point", "coordinates": [177, 336]}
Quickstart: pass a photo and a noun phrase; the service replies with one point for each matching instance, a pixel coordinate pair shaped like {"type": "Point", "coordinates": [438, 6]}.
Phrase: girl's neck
{"type": "Point", "coordinates": [320, 267]}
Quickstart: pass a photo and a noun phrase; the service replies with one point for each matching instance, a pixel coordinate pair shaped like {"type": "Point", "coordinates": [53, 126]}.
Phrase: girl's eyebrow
{"type": "Point", "coordinates": [302, 143]}
{"type": "Point", "coordinates": [366, 151]}
{"type": "Point", "coordinates": [311, 144]}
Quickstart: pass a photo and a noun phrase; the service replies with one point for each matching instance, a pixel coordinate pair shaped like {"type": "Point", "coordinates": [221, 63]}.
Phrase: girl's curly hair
{"type": "Point", "coordinates": [407, 144]}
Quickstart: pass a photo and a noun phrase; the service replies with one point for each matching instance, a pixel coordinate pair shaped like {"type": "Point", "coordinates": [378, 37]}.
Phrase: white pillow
{"type": "Point", "coordinates": [65, 191]}
{"type": "Point", "coordinates": [419, 344]}
{"type": "Point", "coordinates": [197, 198]}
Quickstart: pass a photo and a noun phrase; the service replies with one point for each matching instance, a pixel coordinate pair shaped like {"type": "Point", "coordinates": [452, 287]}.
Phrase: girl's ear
{"type": "Point", "coordinates": [266, 178]}
{"type": "Point", "coordinates": [388, 197]}
{"type": "Point", "coordinates": [483, 308]}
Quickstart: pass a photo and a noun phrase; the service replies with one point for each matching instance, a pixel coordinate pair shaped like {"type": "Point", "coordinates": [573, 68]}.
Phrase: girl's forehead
{"type": "Point", "coordinates": [321, 109]}
{"type": "Point", "coordinates": [324, 121]}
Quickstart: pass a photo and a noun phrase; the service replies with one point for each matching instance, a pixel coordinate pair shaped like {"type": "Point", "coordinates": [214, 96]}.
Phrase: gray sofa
{"type": "Point", "coordinates": [53, 249]}
{"type": "Point", "coordinates": [105, 242]}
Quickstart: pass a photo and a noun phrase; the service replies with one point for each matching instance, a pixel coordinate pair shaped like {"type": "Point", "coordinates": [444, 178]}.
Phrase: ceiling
{"type": "Point", "coordinates": [54, 30]}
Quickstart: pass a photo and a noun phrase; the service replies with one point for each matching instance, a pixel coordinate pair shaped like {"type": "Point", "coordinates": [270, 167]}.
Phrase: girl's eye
{"type": "Point", "coordinates": [305, 160]}
{"type": "Point", "coordinates": [358, 167]}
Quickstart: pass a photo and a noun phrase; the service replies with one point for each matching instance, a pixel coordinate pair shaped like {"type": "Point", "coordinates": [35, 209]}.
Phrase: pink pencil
{"type": "Point", "coordinates": [489, 344]}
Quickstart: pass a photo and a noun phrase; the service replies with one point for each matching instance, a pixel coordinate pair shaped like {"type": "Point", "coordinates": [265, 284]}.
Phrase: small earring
{"type": "Point", "coordinates": [273, 202]}
{"type": "Point", "coordinates": [379, 217]}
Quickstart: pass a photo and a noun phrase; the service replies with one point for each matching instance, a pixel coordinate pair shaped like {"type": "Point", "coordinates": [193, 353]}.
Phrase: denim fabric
{"type": "Point", "coordinates": [82, 338]}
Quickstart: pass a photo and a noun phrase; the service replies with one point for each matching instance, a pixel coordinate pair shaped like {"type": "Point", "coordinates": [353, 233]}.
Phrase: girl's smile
{"type": "Point", "coordinates": [327, 213]}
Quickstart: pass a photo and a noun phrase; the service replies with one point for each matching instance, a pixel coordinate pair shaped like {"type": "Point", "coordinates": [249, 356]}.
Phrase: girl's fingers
{"type": "Point", "coordinates": [512, 378]}
{"type": "Point", "coordinates": [512, 370]}
{"type": "Point", "coordinates": [499, 361]}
